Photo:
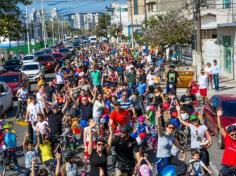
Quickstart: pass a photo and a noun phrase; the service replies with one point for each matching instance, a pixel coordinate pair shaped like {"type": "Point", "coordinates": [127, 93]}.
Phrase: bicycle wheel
{"type": "Point", "coordinates": [181, 137]}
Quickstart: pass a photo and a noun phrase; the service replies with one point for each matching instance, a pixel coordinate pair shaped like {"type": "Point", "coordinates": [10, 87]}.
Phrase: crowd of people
{"type": "Point", "coordinates": [108, 100]}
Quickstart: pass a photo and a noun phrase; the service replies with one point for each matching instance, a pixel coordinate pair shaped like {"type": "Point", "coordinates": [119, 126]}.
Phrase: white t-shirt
{"type": "Point", "coordinates": [208, 70]}
{"type": "Point", "coordinates": [33, 110]}
{"type": "Point", "coordinates": [150, 79]}
{"type": "Point", "coordinates": [197, 135]}
{"type": "Point", "coordinates": [97, 109]}
{"type": "Point", "coordinates": [40, 100]}
{"type": "Point", "coordinates": [22, 94]}
{"type": "Point", "coordinates": [203, 81]}
{"type": "Point", "coordinates": [42, 127]}
{"type": "Point", "coordinates": [59, 78]}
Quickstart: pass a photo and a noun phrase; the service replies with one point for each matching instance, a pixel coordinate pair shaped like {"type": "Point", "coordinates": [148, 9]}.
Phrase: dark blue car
{"type": "Point", "coordinates": [12, 64]}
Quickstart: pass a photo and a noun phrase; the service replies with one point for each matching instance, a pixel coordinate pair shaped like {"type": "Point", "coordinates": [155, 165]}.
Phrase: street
{"type": "Point", "coordinates": [214, 151]}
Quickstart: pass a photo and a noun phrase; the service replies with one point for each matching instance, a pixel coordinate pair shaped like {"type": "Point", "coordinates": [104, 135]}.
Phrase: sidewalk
{"type": "Point", "coordinates": [226, 87]}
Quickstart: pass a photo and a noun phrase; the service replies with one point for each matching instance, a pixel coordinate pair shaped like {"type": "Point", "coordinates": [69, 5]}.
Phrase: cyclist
{"type": "Point", "coordinates": [186, 101]}
{"type": "Point", "coordinates": [22, 95]}
{"type": "Point", "coordinates": [172, 77]}
{"type": "Point", "coordinates": [229, 156]}
{"type": "Point", "coordinates": [10, 146]}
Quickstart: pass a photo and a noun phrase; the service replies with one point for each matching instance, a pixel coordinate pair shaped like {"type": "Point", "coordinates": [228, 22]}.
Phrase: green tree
{"type": "Point", "coordinates": [11, 18]}
{"type": "Point", "coordinates": [167, 29]}
{"type": "Point", "coordinates": [103, 27]}
{"type": "Point", "coordinates": [115, 30]}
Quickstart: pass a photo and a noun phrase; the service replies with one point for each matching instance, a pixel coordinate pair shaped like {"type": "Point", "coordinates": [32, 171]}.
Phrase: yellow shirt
{"type": "Point", "coordinates": [41, 82]}
{"type": "Point", "coordinates": [46, 151]}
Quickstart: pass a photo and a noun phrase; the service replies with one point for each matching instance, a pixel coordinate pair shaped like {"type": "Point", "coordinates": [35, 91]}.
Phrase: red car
{"type": "Point", "coordinates": [228, 104]}
{"type": "Point", "coordinates": [14, 80]}
{"type": "Point", "coordinates": [47, 61]}
{"type": "Point", "coordinates": [57, 56]}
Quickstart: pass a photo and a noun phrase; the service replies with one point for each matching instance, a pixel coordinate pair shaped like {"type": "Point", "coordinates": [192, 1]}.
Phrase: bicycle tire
{"type": "Point", "coordinates": [182, 138]}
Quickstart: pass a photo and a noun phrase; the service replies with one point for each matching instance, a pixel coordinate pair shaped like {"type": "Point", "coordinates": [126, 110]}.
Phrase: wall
{"type": "Point", "coordinates": [227, 31]}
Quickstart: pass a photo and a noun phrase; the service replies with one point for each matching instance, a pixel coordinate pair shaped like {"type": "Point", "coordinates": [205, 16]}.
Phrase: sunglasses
{"type": "Point", "coordinates": [171, 127]}
{"type": "Point", "coordinates": [124, 95]}
{"type": "Point", "coordinates": [233, 134]}
{"type": "Point", "coordinates": [100, 144]}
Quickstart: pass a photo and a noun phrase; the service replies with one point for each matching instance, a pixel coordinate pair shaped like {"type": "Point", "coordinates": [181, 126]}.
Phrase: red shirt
{"type": "Point", "coordinates": [119, 117]}
{"type": "Point", "coordinates": [229, 157]}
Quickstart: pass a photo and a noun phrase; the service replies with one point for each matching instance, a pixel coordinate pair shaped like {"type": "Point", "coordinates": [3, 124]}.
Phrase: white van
{"type": "Point", "coordinates": [92, 39]}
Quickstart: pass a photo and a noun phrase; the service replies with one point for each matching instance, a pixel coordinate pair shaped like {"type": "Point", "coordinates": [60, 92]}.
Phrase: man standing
{"type": "Point", "coordinates": [172, 79]}
{"type": "Point", "coordinates": [216, 74]}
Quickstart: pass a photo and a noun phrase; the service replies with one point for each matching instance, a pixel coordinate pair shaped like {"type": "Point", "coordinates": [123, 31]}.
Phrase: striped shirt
{"type": "Point", "coordinates": [125, 104]}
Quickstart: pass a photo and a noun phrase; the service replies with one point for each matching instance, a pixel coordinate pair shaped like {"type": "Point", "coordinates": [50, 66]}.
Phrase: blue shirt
{"type": "Point", "coordinates": [141, 88]}
{"type": "Point", "coordinates": [125, 104]}
{"type": "Point", "coordinates": [216, 69]}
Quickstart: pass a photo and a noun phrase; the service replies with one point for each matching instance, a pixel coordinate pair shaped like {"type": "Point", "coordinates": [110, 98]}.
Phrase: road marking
{"type": "Point", "coordinates": [214, 168]}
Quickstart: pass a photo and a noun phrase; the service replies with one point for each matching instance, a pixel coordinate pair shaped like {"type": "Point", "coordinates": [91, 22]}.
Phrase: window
{"type": "Point", "coordinates": [124, 9]}
{"type": "Point", "coordinates": [135, 7]}
{"type": "Point", "coordinates": [227, 4]}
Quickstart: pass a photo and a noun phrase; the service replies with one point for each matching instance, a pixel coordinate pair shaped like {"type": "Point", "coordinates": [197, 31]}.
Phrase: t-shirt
{"type": "Point", "coordinates": [97, 109]}
{"type": "Point", "coordinates": [203, 81]}
{"type": "Point", "coordinates": [125, 150]}
{"type": "Point", "coordinates": [172, 77]}
{"type": "Point", "coordinates": [49, 93]}
{"type": "Point", "coordinates": [33, 110]}
{"type": "Point", "coordinates": [97, 161]}
{"type": "Point", "coordinates": [229, 156]}
{"type": "Point", "coordinates": [131, 77]}
{"type": "Point", "coordinates": [125, 104]}
{"type": "Point", "coordinates": [40, 100]}
{"type": "Point", "coordinates": [120, 117]}
{"type": "Point", "coordinates": [150, 79]}
{"type": "Point", "coordinates": [42, 127]}
{"type": "Point", "coordinates": [164, 145]}
{"type": "Point", "coordinates": [29, 156]}
{"type": "Point", "coordinates": [96, 77]}
{"type": "Point", "coordinates": [59, 78]}
{"type": "Point", "coordinates": [22, 94]}
{"type": "Point", "coordinates": [142, 87]}
{"type": "Point", "coordinates": [86, 111]}
{"type": "Point", "coordinates": [55, 123]}
{"type": "Point", "coordinates": [196, 167]}
{"type": "Point", "coordinates": [46, 151]}
{"type": "Point", "coordinates": [197, 135]}
{"type": "Point", "coordinates": [190, 98]}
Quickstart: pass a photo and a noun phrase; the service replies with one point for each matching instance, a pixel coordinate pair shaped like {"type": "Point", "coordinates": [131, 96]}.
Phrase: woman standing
{"type": "Point", "coordinates": [208, 71]}
{"type": "Point", "coordinates": [165, 142]}
{"type": "Point", "coordinates": [98, 156]}
{"type": "Point", "coordinates": [199, 133]}
{"type": "Point", "coordinates": [158, 96]}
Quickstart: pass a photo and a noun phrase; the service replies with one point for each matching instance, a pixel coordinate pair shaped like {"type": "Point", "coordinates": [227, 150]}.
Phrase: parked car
{"type": "Point", "coordinates": [57, 56]}
{"type": "Point", "coordinates": [6, 100]}
{"type": "Point", "coordinates": [14, 80]}
{"type": "Point", "coordinates": [47, 61]}
{"type": "Point", "coordinates": [65, 52]}
{"type": "Point", "coordinates": [39, 53]}
{"type": "Point", "coordinates": [32, 70]}
{"type": "Point", "coordinates": [227, 103]}
{"type": "Point", "coordinates": [12, 64]}
{"type": "Point", "coordinates": [28, 58]}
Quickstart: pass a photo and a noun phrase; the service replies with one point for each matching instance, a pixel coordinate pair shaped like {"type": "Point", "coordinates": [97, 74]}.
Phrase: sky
{"type": "Point", "coordinates": [70, 6]}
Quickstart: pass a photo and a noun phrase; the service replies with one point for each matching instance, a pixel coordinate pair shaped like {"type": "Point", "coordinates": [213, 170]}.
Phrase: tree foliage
{"type": "Point", "coordinates": [102, 29]}
{"type": "Point", "coordinates": [115, 30]}
{"type": "Point", "coordinates": [11, 18]}
{"type": "Point", "coordinates": [167, 29]}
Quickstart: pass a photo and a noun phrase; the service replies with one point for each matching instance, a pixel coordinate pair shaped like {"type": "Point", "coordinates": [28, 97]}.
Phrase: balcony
{"type": "Point", "coordinates": [151, 1]}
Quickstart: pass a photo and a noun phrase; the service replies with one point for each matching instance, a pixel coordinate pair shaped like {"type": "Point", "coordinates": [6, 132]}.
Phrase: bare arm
{"type": "Point", "coordinates": [221, 129]}
{"type": "Point", "coordinates": [208, 136]}
{"type": "Point", "coordinates": [158, 120]}
{"type": "Point", "coordinates": [109, 143]}
{"type": "Point", "coordinates": [180, 118]}
{"type": "Point", "coordinates": [57, 172]}
{"type": "Point", "coordinates": [90, 145]}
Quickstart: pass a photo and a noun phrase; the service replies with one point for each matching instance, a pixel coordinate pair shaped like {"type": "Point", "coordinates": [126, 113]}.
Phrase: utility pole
{"type": "Point", "coordinates": [43, 25]}
{"type": "Point", "coordinates": [132, 25]}
{"type": "Point", "coordinates": [199, 62]}
{"type": "Point", "coordinates": [27, 28]}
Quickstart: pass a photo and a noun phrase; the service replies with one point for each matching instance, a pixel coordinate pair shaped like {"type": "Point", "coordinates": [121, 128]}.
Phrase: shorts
{"type": "Point", "coordinates": [203, 92]}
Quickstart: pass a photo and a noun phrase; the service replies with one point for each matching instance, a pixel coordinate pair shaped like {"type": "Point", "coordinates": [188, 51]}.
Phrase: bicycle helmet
{"type": "Point", "coordinates": [68, 154]}
{"type": "Point", "coordinates": [231, 128]}
{"type": "Point", "coordinates": [193, 117]}
{"type": "Point", "coordinates": [145, 170]}
{"type": "Point", "coordinates": [166, 106]}
{"type": "Point", "coordinates": [141, 118]}
{"type": "Point", "coordinates": [174, 114]}
{"type": "Point", "coordinates": [6, 126]}
{"type": "Point", "coordinates": [169, 171]}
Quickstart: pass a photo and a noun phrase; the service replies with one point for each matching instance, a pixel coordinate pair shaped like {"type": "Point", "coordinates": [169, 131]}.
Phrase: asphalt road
{"type": "Point", "coordinates": [215, 153]}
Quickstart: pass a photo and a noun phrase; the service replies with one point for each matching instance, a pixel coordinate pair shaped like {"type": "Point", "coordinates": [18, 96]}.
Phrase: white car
{"type": "Point", "coordinates": [6, 98]}
{"type": "Point", "coordinates": [32, 70]}
{"type": "Point", "coordinates": [28, 58]}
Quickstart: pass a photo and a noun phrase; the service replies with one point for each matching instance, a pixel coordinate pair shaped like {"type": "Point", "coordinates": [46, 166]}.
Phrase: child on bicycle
{"type": "Point", "coordinates": [196, 166]}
